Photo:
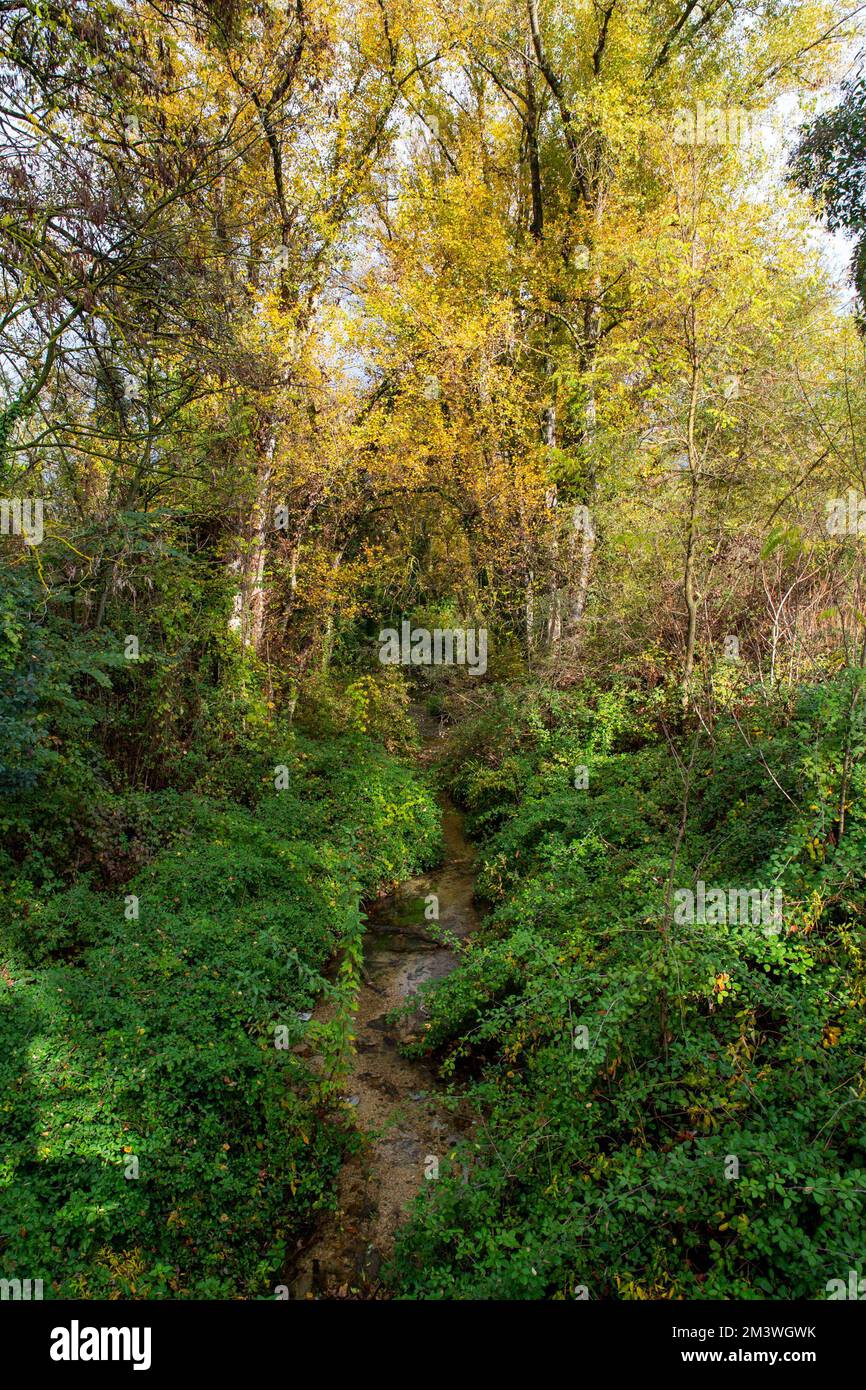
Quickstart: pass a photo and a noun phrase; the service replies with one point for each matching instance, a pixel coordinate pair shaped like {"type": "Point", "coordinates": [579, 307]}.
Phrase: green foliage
{"type": "Point", "coordinates": [606, 1156]}
{"type": "Point", "coordinates": [830, 163]}
{"type": "Point", "coordinates": [53, 777]}
{"type": "Point", "coordinates": [153, 1038]}
{"type": "Point", "coordinates": [374, 705]}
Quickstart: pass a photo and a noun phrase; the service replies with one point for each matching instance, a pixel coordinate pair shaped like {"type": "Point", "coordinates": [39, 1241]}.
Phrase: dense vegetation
{"type": "Point", "coordinates": [704, 1138]}
{"type": "Point", "coordinates": [157, 1143]}
{"type": "Point", "coordinates": [323, 320]}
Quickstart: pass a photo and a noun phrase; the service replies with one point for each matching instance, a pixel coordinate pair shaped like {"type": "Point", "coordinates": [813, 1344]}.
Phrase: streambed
{"type": "Point", "coordinates": [396, 1100]}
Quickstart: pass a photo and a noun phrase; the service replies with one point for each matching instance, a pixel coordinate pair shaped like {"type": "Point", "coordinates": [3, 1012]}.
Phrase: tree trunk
{"type": "Point", "coordinates": [689, 592]}
{"type": "Point", "coordinates": [249, 618]}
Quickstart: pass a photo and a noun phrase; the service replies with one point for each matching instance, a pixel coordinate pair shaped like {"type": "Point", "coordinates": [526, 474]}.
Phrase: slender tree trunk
{"type": "Point", "coordinates": [536, 225]}
{"type": "Point", "coordinates": [689, 586]}
{"type": "Point", "coordinates": [250, 602]}
{"type": "Point", "coordinates": [582, 522]}
{"type": "Point", "coordinates": [582, 537]}
{"type": "Point", "coordinates": [530, 618]}
{"type": "Point", "coordinates": [328, 635]}
{"type": "Point", "coordinates": [690, 596]}
{"type": "Point", "coordinates": [554, 609]}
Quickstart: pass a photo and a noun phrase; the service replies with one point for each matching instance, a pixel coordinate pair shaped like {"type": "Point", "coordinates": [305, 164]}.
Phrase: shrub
{"type": "Point", "coordinates": [146, 1046]}
{"type": "Point", "coordinates": [703, 1136]}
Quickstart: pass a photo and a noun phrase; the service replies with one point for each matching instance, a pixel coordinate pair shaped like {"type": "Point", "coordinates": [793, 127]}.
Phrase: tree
{"type": "Point", "coordinates": [829, 162]}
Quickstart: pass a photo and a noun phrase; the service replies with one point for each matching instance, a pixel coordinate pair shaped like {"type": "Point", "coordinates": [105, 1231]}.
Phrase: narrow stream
{"type": "Point", "coordinates": [396, 1100]}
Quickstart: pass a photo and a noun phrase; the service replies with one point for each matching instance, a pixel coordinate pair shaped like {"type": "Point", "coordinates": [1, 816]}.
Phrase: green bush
{"type": "Point", "coordinates": [152, 1038]}
{"type": "Point", "coordinates": [606, 1159]}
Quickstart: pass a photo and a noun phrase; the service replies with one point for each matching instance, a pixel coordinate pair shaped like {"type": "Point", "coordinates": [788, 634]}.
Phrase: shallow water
{"type": "Point", "coordinates": [396, 1101]}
